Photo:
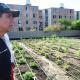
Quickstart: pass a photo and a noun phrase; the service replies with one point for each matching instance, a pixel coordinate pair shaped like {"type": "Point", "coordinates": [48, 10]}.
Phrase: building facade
{"type": "Point", "coordinates": [33, 19]}
{"type": "Point", "coordinates": [29, 20]}
{"type": "Point", "coordinates": [77, 15]}
{"type": "Point", "coordinates": [51, 16]}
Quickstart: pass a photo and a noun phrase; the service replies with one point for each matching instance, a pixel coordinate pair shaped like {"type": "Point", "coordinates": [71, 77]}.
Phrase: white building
{"type": "Point", "coordinates": [77, 15]}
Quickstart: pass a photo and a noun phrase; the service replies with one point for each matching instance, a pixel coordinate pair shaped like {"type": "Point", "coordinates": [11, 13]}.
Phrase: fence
{"type": "Point", "coordinates": [31, 34]}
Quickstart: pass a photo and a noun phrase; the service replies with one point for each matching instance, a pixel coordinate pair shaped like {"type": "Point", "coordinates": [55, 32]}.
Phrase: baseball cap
{"type": "Point", "coordinates": [4, 8]}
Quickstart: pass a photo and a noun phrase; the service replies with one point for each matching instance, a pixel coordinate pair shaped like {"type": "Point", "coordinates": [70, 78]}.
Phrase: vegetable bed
{"type": "Point", "coordinates": [65, 52]}
{"type": "Point", "coordinates": [26, 66]}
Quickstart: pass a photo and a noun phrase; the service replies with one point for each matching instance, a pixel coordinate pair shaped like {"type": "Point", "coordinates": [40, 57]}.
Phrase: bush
{"type": "Point", "coordinates": [52, 28]}
{"type": "Point", "coordinates": [28, 76]}
{"type": "Point", "coordinates": [76, 25]}
{"type": "Point", "coordinates": [66, 24]}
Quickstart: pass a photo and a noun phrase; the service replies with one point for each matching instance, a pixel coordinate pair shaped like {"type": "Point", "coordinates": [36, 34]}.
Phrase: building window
{"type": "Point", "coordinates": [41, 26]}
{"type": "Point", "coordinates": [46, 24]}
{"type": "Point", "coordinates": [34, 15]}
{"type": "Point", "coordinates": [19, 22]}
{"type": "Point", "coordinates": [34, 22]}
{"type": "Point", "coordinates": [70, 17]}
{"type": "Point", "coordinates": [26, 22]}
{"type": "Point", "coordinates": [71, 11]}
{"type": "Point", "coordinates": [26, 7]}
{"type": "Point", "coordinates": [40, 17]}
{"type": "Point", "coordinates": [26, 15]}
{"type": "Point", "coordinates": [20, 29]}
{"type": "Point", "coordinates": [46, 18]}
{"type": "Point", "coordinates": [27, 28]}
{"type": "Point", "coordinates": [46, 12]}
{"type": "Point", "coordinates": [60, 16]}
{"type": "Point", "coordinates": [77, 15]}
{"type": "Point", "coordinates": [65, 17]}
{"type": "Point", "coordinates": [54, 16]}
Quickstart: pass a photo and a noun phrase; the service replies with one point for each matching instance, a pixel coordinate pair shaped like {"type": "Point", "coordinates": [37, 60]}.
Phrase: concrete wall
{"type": "Point", "coordinates": [29, 34]}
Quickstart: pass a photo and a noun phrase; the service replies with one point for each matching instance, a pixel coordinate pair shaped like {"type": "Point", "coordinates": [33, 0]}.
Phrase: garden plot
{"type": "Point", "coordinates": [51, 69]}
{"type": "Point", "coordinates": [26, 67]}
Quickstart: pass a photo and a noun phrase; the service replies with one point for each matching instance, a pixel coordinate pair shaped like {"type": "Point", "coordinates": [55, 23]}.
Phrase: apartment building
{"type": "Point", "coordinates": [33, 19]}
{"type": "Point", "coordinates": [29, 20]}
{"type": "Point", "coordinates": [51, 16]}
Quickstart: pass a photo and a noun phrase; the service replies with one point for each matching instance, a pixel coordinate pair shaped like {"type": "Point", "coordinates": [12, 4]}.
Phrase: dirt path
{"type": "Point", "coordinates": [50, 67]}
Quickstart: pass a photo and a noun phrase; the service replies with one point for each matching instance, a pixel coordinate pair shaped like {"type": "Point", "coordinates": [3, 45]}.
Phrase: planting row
{"type": "Point", "coordinates": [29, 69]}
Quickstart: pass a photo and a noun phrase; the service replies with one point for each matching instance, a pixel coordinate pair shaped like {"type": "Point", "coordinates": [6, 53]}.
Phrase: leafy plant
{"type": "Point", "coordinates": [58, 61]}
{"type": "Point", "coordinates": [77, 54]}
{"type": "Point", "coordinates": [46, 55]}
{"type": "Point", "coordinates": [20, 48]}
{"type": "Point", "coordinates": [34, 65]}
{"type": "Point", "coordinates": [29, 76]}
{"type": "Point", "coordinates": [21, 61]}
{"type": "Point", "coordinates": [42, 52]}
{"type": "Point", "coordinates": [16, 51]}
{"type": "Point", "coordinates": [28, 56]}
{"type": "Point", "coordinates": [66, 66]}
{"type": "Point", "coordinates": [63, 49]}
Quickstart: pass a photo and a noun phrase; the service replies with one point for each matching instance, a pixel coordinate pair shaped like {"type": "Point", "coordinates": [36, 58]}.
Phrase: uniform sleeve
{"type": "Point", "coordinates": [10, 47]}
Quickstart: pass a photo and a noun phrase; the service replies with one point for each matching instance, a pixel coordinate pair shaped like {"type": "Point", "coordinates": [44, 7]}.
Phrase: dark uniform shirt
{"type": "Point", "coordinates": [5, 61]}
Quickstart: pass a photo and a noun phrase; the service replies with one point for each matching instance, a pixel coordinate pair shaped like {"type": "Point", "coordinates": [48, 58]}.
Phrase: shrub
{"type": "Point", "coordinates": [52, 28]}
{"type": "Point", "coordinates": [76, 25]}
{"type": "Point", "coordinates": [66, 24]}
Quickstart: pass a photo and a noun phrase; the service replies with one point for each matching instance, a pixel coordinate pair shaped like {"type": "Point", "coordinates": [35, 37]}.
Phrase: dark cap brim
{"type": "Point", "coordinates": [15, 13]}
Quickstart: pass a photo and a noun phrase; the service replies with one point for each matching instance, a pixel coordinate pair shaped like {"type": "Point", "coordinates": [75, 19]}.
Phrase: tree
{"type": "Point", "coordinates": [76, 25]}
{"type": "Point", "coordinates": [65, 23]}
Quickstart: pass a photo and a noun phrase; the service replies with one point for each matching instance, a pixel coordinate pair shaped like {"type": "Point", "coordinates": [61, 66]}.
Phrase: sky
{"type": "Point", "coordinates": [74, 4]}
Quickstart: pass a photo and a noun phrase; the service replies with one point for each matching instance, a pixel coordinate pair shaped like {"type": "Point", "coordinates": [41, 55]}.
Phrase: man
{"type": "Point", "coordinates": [6, 56]}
